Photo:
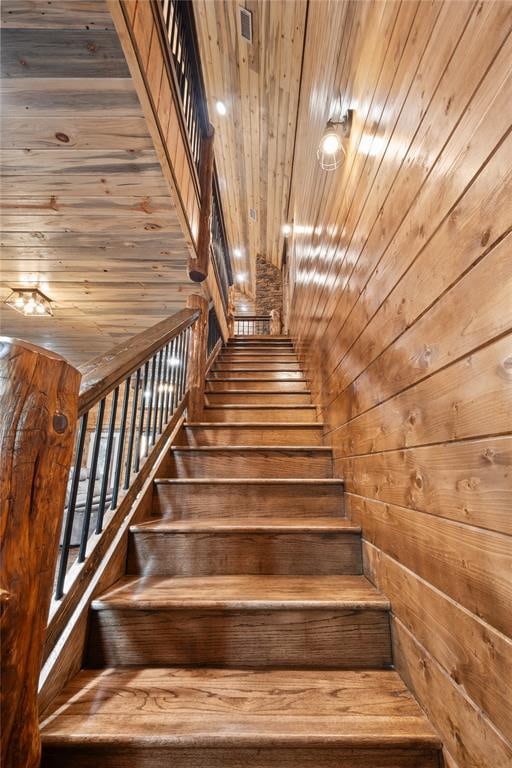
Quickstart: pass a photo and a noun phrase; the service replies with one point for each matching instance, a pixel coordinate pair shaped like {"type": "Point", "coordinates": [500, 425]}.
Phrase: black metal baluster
{"type": "Point", "coordinates": [170, 368]}
{"type": "Point", "coordinates": [152, 395]}
{"type": "Point", "coordinates": [158, 396]}
{"type": "Point", "coordinates": [188, 335]}
{"type": "Point", "coordinates": [92, 482]}
{"type": "Point", "coordinates": [120, 445]}
{"type": "Point", "coordinates": [163, 385]}
{"type": "Point", "coordinates": [143, 400]}
{"type": "Point", "coordinates": [177, 399]}
{"type": "Point", "coordinates": [175, 370]}
{"type": "Point", "coordinates": [70, 514]}
{"type": "Point", "coordinates": [106, 465]}
{"type": "Point", "coordinates": [133, 423]}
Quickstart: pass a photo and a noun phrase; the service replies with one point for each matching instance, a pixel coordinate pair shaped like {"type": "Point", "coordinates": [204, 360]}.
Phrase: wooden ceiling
{"type": "Point", "coordinates": [259, 84]}
{"type": "Point", "coordinates": [87, 214]}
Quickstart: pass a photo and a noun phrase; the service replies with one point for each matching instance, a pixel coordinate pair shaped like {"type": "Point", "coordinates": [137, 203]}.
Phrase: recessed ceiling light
{"type": "Point", "coordinates": [221, 108]}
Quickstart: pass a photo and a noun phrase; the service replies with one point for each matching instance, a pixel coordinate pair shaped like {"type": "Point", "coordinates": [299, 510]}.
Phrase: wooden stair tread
{"type": "Point", "coordinates": [261, 391]}
{"type": "Point", "coordinates": [242, 592]}
{"type": "Point", "coordinates": [250, 525]}
{"type": "Point", "coordinates": [238, 448]}
{"type": "Point", "coordinates": [230, 707]}
{"type": "Point", "coordinates": [331, 481]}
{"type": "Point", "coordinates": [260, 407]}
{"type": "Point", "coordinates": [266, 425]}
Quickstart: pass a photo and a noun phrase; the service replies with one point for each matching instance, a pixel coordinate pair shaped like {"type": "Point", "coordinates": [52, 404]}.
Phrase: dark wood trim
{"type": "Point", "coordinates": [103, 373]}
{"type": "Point", "coordinates": [38, 414]}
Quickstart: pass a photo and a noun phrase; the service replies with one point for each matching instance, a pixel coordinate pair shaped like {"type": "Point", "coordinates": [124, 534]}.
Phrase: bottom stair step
{"type": "Point", "coordinates": [233, 621]}
{"type": "Point", "coordinates": [211, 718]}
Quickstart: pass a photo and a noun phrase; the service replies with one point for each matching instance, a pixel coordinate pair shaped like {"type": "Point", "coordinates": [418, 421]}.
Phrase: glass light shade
{"type": "Point", "coordinates": [330, 151]}
{"type": "Point", "coordinates": [30, 301]}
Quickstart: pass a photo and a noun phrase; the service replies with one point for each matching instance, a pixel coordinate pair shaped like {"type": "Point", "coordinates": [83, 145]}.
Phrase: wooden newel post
{"type": "Point", "coordinates": [231, 310]}
{"type": "Point", "coordinates": [197, 358]}
{"type": "Point", "coordinates": [275, 322]}
{"type": "Point", "coordinates": [38, 413]}
{"type": "Point", "coordinates": [198, 267]}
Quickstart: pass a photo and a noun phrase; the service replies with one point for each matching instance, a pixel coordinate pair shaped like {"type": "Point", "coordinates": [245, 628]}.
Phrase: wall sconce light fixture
{"type": "Point", "coordinates": [331, 153]}
{"type": "Point", "coordinates": [30, 301]}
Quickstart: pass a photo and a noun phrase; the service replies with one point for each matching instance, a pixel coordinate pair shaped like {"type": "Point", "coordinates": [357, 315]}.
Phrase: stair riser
{"type": "Point", "coordinates": [247, 464]}
{"type": "Point", "coordinates": [256, 346]}
{"type": "Point", "coordinates": [210, 554]}
{"type": "Point", "coordinates": [257, 398]}
{"type": "Point", "coordinates": [268, 415]}
{"type": "Point", "coordinates": [244, 500]}
{"type": "Point", "coordinates": [274, 357]}
{"type": "Point", "coordinates": [326, 638]}
{"type": "Point", "coordinates": [244, 384]}
{"type": "Point", "coordinates": [133, 756]}
{"type": "Point", "coordinates": [255, 373]}
{"type": "Point", "coordinates": [253, 435]}
{"type": "Point", "coordinates": [259, 365]}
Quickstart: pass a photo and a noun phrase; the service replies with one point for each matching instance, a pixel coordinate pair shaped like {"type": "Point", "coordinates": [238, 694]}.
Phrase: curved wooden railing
{"type": "Point", "coordinates": [74, 457]}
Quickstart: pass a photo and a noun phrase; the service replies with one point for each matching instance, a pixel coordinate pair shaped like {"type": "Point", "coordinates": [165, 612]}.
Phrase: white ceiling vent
{"type": "Point", "coordinates": [246, 24]}
{"type": "Point", "coordinates": [252, 214]}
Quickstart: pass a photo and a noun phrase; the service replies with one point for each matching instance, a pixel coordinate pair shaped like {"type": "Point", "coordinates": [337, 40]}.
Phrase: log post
{"type": "Point", "coordinates": [197, 358]}
{"type": "Point", "coordinates": [275, 322]}
{"type": "Point", "coordinates": [198, 267]}
{"type": "Point", "coordinates": [38, 413]}
{"type": "Point", "coordinates": [231, 311]}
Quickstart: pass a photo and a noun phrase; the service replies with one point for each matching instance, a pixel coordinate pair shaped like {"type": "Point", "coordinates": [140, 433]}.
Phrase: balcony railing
{"type": "Point", "coordinates": [252, 325]}
{"type": "Point", "coordinates": [180, 33]}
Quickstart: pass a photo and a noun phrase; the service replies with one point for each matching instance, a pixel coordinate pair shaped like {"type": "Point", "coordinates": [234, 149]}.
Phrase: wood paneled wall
{"type": "Point", "coordinates": [401, 307]}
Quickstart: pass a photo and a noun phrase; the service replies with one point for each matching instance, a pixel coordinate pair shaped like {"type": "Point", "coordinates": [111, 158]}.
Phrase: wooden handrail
{"type": "Point", "coordinates": [104, 373]}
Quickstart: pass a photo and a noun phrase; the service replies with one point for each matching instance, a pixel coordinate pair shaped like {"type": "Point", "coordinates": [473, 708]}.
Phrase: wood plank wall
{"type": "Point", "coordinates": [401, 308]}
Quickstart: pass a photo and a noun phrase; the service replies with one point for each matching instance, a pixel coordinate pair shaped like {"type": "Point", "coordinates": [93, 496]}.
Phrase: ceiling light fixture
{"type": "Point", "coordinates": [237, 253]}
{"type": "Point", "coordinates": [241, 277]}
{"type": "Point", "coordinates": [221, 108]}
{"type": "Point", "coordinates": [331, 152]}
{"type": "Point", "coordinates": [287, 229]}
{"type": "Point", "coordinates": [30, 301]}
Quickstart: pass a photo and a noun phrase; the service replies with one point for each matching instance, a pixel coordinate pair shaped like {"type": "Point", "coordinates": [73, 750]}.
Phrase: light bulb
{"type": "Point", "coordinates": [330, 143]}
{"type": "Point", "coordinates": [241, 277]}
{"type": "Point", "coordinates": [221, 108]}
{"type": "Point", "coordinates": [287, 230]}
{"type": "Point", "coordinates": [40, 308]}
{"type": "Point", "coordinates": [237, 253]}
{"type": "Point", "coordinates": [29, 308]}
{"type": "Point", "coordinates": [19, 301]}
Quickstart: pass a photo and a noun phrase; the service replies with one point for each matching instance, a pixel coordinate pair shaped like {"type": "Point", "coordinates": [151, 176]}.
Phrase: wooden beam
{"type": "Point", "coordinates": [198, 265]}
{"type": "Point", "coordinates": [38, 413]}
{"type": "Point", "coordinates": [197, 358]}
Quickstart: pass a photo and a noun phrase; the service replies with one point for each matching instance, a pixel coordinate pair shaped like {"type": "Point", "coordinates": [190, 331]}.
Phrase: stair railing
{"type": "Point", "coordinates": [252, 325]}
{"type": "Point", "coordinates": [73, 458]}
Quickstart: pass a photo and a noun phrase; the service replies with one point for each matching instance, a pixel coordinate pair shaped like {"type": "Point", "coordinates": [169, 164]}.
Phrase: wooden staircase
{"type": "Point", "coordinates": [244, 633]}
